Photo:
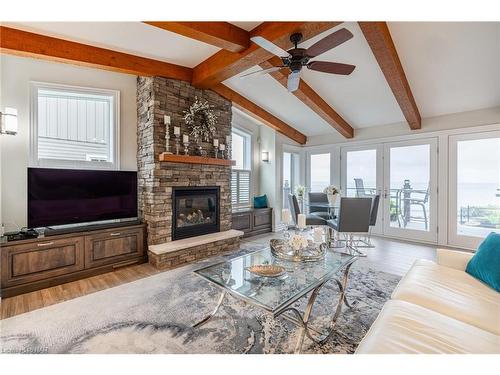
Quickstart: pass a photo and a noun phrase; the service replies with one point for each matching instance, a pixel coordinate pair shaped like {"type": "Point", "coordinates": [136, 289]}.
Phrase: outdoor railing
{"type": "Point", "coordinates": [486, 217]}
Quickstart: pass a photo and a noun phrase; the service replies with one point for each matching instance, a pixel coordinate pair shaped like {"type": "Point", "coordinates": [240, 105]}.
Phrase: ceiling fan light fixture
{"type": "Point", "coordinates": [296, 58]}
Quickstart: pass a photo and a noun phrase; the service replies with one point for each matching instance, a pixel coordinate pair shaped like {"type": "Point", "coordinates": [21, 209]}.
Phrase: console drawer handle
{"type": "Point", "coordinates": [115, 234]}
{"type": "Point", "coordinates": [45, 243]}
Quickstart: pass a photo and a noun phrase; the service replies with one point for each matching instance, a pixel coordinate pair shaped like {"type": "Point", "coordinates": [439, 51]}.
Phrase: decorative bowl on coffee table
{"type": "Point", "coordinates": [313, 252]}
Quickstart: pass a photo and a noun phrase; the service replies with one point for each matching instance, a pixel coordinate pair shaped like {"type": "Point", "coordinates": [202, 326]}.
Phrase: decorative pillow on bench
{"type": "Point", "coordinates": [485, 264]}
{"type": "Point", "coordinates": [260, 202]}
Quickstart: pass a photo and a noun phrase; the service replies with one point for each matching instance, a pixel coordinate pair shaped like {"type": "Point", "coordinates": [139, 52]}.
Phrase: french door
{"type": "Point", "coordinates": [405, 175]}
{"type": "Point", "coordinates": [474, 191]}
{"type": "Point", "coordinates": [362, 175]}
{"type": "Point", "coordinates": [410, 190]}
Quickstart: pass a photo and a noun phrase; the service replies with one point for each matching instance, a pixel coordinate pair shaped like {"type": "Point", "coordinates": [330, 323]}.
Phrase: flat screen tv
{"type": "Point", "coordinates": [66, 196]}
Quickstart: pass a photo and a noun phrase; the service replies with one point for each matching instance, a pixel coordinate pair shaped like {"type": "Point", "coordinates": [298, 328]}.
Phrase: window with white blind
{"type": "Point", "coordinates": [74, 126]}
{"type": "Point", "coordinates": [241, 174]}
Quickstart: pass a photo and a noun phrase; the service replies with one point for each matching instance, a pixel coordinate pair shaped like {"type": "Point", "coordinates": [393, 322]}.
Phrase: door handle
{"type": "Point", "coordinates": [115, 234]}
{"type": "Point", "coordinates": [45, 244]}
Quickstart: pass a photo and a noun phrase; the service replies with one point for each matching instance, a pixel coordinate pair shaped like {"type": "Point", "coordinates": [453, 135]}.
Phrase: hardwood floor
{"type": "Point", "coordinates": [49, 296]}
{"type": "Point", "coordinates": [390, 256]}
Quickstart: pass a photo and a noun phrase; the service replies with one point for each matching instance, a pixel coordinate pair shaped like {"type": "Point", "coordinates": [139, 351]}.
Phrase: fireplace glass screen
{"type": "Point", "coordinates": [196, 212]}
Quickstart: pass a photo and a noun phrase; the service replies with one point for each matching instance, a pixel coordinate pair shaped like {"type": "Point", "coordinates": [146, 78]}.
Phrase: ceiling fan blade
{"type": "Point", "coordinates": [328, 42]}
{"type": "Point", "coordinates": [268, 46]}
{"type": "Point", "coordinates": [264, 71]}
{"type": "Point", "coordinates": [293, 81]}
{"type": "Point", "coordinates": [331, 67]}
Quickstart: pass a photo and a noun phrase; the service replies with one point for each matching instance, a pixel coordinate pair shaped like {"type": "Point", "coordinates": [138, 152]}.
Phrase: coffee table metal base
{"type": "Point", "coordinates": [302, 319]}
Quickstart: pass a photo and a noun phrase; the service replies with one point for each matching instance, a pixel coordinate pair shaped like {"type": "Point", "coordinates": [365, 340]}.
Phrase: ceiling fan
{"type": "Point", "coordinates": [296, 58]}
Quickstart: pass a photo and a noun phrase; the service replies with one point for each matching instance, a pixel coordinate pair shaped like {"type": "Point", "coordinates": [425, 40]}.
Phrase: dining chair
{"type": "Point", "coordinates": [311, 220]}
{"type": "Point", "coordinates": [361, 191]}
{"type": "Point", "coordinates": [421, 201]}
{"type": "Point", "coordinates": [320, 211]}
{"type": "Point", "coordinates": [367, 241]}
{"type": "Point", "coordinates": [353, 219]}
{"type": "Point", "coordinates": [412, 197]}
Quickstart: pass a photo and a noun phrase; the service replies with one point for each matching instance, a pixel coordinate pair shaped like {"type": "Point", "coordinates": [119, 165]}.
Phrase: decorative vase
{"type": "Point", "coordinates": [332, 198]}
{"type": "Point", "coordinates": [200, 151]}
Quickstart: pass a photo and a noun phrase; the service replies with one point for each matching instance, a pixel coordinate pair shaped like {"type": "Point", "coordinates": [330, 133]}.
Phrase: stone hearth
{"type": "Point", "coordinates": [177, 253]}
{"type": "Point", "coordinates": [156, 97]}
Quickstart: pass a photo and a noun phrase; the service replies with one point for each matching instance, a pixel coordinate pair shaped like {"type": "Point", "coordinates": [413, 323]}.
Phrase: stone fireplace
{"type": "Point", "coordinates": [161, 184]}
{"type": "Point", "coordinates": [195, 211]}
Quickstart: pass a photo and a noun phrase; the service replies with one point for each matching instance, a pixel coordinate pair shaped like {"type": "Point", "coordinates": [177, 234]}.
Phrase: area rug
{"type": "Point", "coordinates": [155, 314]}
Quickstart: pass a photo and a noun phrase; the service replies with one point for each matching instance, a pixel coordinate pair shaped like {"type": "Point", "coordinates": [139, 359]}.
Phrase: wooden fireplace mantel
{"type": "Point", "coordinates": [189, 159]}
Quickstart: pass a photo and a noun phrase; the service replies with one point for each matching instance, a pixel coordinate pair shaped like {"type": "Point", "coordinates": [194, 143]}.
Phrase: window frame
{"type": "Point", "coordinates": [114, 131]}
{"type": "Point", "coordinates": [247, 165]}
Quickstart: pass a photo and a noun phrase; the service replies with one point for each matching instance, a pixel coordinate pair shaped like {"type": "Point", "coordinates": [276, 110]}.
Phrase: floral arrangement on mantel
{"type": "Point", "coordinates": [331, 192]}
{"type": "Point", "coordinates": [201, 120]}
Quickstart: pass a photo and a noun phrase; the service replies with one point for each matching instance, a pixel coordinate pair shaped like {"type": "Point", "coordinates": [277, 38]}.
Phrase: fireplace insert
{"type": "Point", "coordinates": [195, 211]}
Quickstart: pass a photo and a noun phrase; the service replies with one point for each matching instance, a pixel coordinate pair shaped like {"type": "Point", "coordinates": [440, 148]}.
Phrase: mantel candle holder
{"type": "Point", "coordinates": [228, 143]}
{"type": "Point", "coordinates": [222, 149]}
{"type": "Point", "coordinates": [166, 121]}
{"type": "Point", "coordinates": [216, 148]}
{"type": "Point", "coordinates": [177, 143]}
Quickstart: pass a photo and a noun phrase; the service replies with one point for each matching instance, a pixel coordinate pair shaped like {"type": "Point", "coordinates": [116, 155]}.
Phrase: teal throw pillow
{"type": "Point", "coordinates": [260, 202]}
{"type": "Point", "coordinates": [485, 264]}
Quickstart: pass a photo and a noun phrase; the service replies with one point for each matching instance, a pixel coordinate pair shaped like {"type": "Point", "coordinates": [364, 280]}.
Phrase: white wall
{"type": "Point", "coordinates": [16, 73]}
{"type": "Point", "coordinates": [270, 172]}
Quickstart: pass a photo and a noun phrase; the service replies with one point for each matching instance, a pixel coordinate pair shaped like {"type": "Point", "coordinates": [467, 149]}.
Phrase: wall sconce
{"type": "Point", "coordinates": [8, 121]}
{"type": "Point", "coordinates": [265, 156]}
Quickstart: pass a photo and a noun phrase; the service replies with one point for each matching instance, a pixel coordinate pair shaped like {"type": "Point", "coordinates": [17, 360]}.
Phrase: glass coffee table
{"type": "Point", "coordinates": [278, 295]}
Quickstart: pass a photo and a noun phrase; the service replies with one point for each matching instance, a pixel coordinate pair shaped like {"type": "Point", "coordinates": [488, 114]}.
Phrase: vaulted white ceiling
{"type": "Point", "coordinates": [130, 37]}
{"type": "Point", "coordinates": [451, 67]}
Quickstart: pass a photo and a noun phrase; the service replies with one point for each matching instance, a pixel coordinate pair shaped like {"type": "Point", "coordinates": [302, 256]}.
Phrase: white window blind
{"type": "Point", "coordinates": [74, 126]}
{"type": "Point", "coordinates": [240, 188]}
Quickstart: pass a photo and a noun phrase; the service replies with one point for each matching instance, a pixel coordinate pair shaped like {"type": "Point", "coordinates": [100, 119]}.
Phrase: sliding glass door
{"type": "Point", "coordinates": [410, 190]}
{"type": "Point", "coordinates": [474, 176]}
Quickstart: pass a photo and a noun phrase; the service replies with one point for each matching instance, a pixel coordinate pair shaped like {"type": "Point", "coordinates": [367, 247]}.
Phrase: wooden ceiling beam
{"type": "Point", "coordinates": [259, 113]}
{"type": "Point", "coordinates": [224, 64]}
{"type": "Point", "coordinates": [23, 43]}
{"type": "Point", "coordinates": [310, 98]}
{"type": "Point", "coordinates": [219, 34]}
{"type": "Point", "coordinates": [26, 44]}
{"type": "Point", "coordinates": [380, 41]}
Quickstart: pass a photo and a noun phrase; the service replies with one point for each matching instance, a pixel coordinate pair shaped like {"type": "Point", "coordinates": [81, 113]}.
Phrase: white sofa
{"type": "Point", "coordinates": [437, 308]}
